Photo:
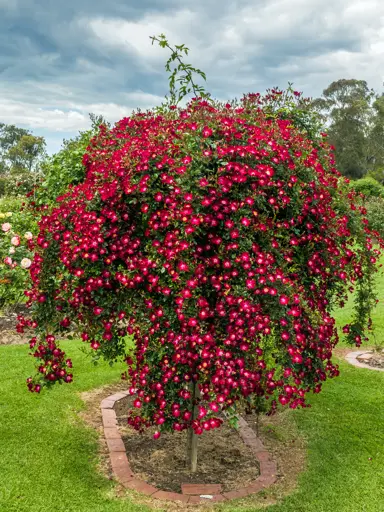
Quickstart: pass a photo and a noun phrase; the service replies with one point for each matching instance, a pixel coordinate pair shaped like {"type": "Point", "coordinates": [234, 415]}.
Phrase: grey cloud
{"type": "Point", "coordinates": [52, 58]}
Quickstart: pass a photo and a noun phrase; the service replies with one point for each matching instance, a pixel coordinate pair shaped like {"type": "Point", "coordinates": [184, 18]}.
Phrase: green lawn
{"type": "Point", "coordinates": [48, 456]}
{"type": "Point", "coordinates": [343, 316]}
{"type": "Point", "coordinates": [345, 433]}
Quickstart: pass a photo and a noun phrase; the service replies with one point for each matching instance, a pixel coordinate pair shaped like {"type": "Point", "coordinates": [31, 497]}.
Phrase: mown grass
{"type": "Point", "coordinates": [344, 429]}
{"type": "Point", "coordinates": [48, 456]}
{"type": "Point", "coordinates": [344, 315]}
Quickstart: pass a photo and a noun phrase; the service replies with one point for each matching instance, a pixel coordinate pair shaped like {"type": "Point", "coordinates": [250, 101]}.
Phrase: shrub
{"type": "Point", "coordinates": [222, 237]}
{"type": "Point", "coordinates": [368, 186]}
{"type": "Point", "coordinates": [17, 229]}
{"type": "Point", "coordinates": [377, 174]}
{"type": "Point", "coordinates": [65, 168]}
{"type": "Point", "coordinates": [375, 214]}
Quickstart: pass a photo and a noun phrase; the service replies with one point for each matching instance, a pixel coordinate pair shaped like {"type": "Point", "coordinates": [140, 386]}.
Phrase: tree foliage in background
{"type": "Point", "coordinates": [26, 169]}
{"type": "Point", "coordinates": [21, 154]}
{"type": "Point", "coordinates": [368, 186]}
{"type": "Point", "coordinates": [65, 168]}
{"type": "Point", "coordinates": [354, 115]}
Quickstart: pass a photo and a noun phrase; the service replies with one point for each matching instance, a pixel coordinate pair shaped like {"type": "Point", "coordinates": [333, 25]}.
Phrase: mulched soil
{"type": "Point", "coordinates": [278, 433]}
{"type": "Point", "coordinates": [376, 358]}
{"type": "Point", "coordinates": [223, 457]}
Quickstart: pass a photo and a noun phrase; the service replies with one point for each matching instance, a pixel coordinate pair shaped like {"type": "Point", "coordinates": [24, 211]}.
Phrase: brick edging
{"type": "Point", "coordinates": [124, 474]}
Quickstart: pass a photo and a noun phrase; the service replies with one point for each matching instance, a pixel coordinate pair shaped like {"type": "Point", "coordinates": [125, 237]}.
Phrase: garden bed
{"type": "Point", "coordinates": [374, 358]}
{"type": "Point", "coordinates": [8, 322]}
{"type": "Point", "coordinates": [223, 456]}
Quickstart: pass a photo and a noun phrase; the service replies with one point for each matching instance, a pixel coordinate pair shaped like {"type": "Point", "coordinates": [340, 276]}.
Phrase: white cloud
{"type": "Point", "coordinates": [134, 36]}
{"type": "Point", "coordinates": [25, 114]}
{"type": "Point", "coordinates": [71, 116]}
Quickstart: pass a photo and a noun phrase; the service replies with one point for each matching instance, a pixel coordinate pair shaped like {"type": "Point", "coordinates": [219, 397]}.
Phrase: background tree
{"type": "Point", "coordinates": [21, 154]}
{"type": "Point", "coordinates": [375, 140]}
{"type": "Point", "coordinates": [346, 107]}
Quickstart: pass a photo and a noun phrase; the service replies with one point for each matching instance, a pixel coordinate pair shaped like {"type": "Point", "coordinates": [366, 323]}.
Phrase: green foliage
{"type": "Point", "coordinates": [290, 104]}
{"type": "Point", "coordinates": [377, 174]}
{"type": "Point", "coordinates": [66, 168]}
{"type": "Point", "coordinates": [21, 155]}
{"type": "Point", "coordinates": [353, 114]}
{"type": "Point", "coordinates": [186, 82]}
{"type": "Point", "coordinates": [375, 214]}
{"type": "Point", "coordinates": [368, 186]}
{"type": "Point", "coordinates": [24, 155]}
{"type": "Point", "coordinates": [9, 136]}
{"type": "Point", "coordinates": [375, 141]}
{"type": "Point", "coordinates": [17, 226]}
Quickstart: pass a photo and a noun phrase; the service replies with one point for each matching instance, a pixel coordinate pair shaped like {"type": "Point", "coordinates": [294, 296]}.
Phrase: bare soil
{"type": "Point", "coordinates": [223, 458]}
{"type": "Point", "coordinates": [278, 433]}
{"type": "Point", "coordinates": [374, 358]}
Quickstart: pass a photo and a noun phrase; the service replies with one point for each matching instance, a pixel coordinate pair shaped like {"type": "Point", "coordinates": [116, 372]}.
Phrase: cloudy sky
{"type": "Point", "coordinates": [61, 59]}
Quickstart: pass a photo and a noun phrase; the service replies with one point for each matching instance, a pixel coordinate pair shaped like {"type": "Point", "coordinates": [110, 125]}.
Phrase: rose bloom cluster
{"type": "Point", "coordinates": [219, 238]}
{"type": "Point", "coordinates": [15, 241]}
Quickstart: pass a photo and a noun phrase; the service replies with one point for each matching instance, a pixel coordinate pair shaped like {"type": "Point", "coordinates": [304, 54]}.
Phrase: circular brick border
{"type": "Point", "coordinates": [353, 358]}
{"type": "Point", "coordinates": [191, 493]}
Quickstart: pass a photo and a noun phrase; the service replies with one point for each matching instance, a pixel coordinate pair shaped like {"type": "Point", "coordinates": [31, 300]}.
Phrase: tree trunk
{"type": "Point", "coordinates": [192, 437]}
{"type": "Point", "coordinates": [258, 423]}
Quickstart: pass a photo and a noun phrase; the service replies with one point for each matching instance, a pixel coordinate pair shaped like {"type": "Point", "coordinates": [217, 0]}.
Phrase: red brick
{"type": "Point", "coordinates": [267, 480]}
{"type": "Point", "coordinates": [118, 459]}
{"type": "Point", "coordinates": [255, 487]}
{"type": "Point", "coordinates": [233, 495]}
{"type": "Point", "coordinates": [216, 498]}
{"type": "Point", "coordinates": [194, 500]}
{"type": "Point", "coordinates": [109, 417]}
{"type": "Point", "coordinates": [199, 489]}
{"type": "Point", "coordinates": [111, 433]}
{"type": "Point", "coordinates": [124, 473]}
{"type": "Point", "coordinates": [107, 404]}
{"type": "Point", "coordinates": [140, 486]}
{"type": "Point", "coordinates": [254, 443]}
{"type": "Point", "coordinates": [118, 396]}
{"type": "Point", "coordinates": [170, 496]}
{"type": "Point", "coordinates": [116, 445]}
{"type": "Point", "coordinates": [242, 423]}
{"type": "Point", "coordinates": [268, 468]}
{"type": "Point", "coordinates": [263, 456]}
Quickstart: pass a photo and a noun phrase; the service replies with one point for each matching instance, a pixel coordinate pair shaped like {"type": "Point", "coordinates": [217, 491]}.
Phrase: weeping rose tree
{"type": "Point", "coordinates": [219, 237]}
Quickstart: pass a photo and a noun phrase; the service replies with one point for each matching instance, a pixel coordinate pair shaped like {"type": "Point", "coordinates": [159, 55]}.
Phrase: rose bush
{"type": "Point", "coordinates": [221, 238]}
{"type": "Point", "coordinates": [15, 250]}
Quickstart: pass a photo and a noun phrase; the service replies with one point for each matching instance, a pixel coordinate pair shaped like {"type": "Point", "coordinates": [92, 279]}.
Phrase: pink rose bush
{"type": "Point", "coordinates": [16, 246]}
